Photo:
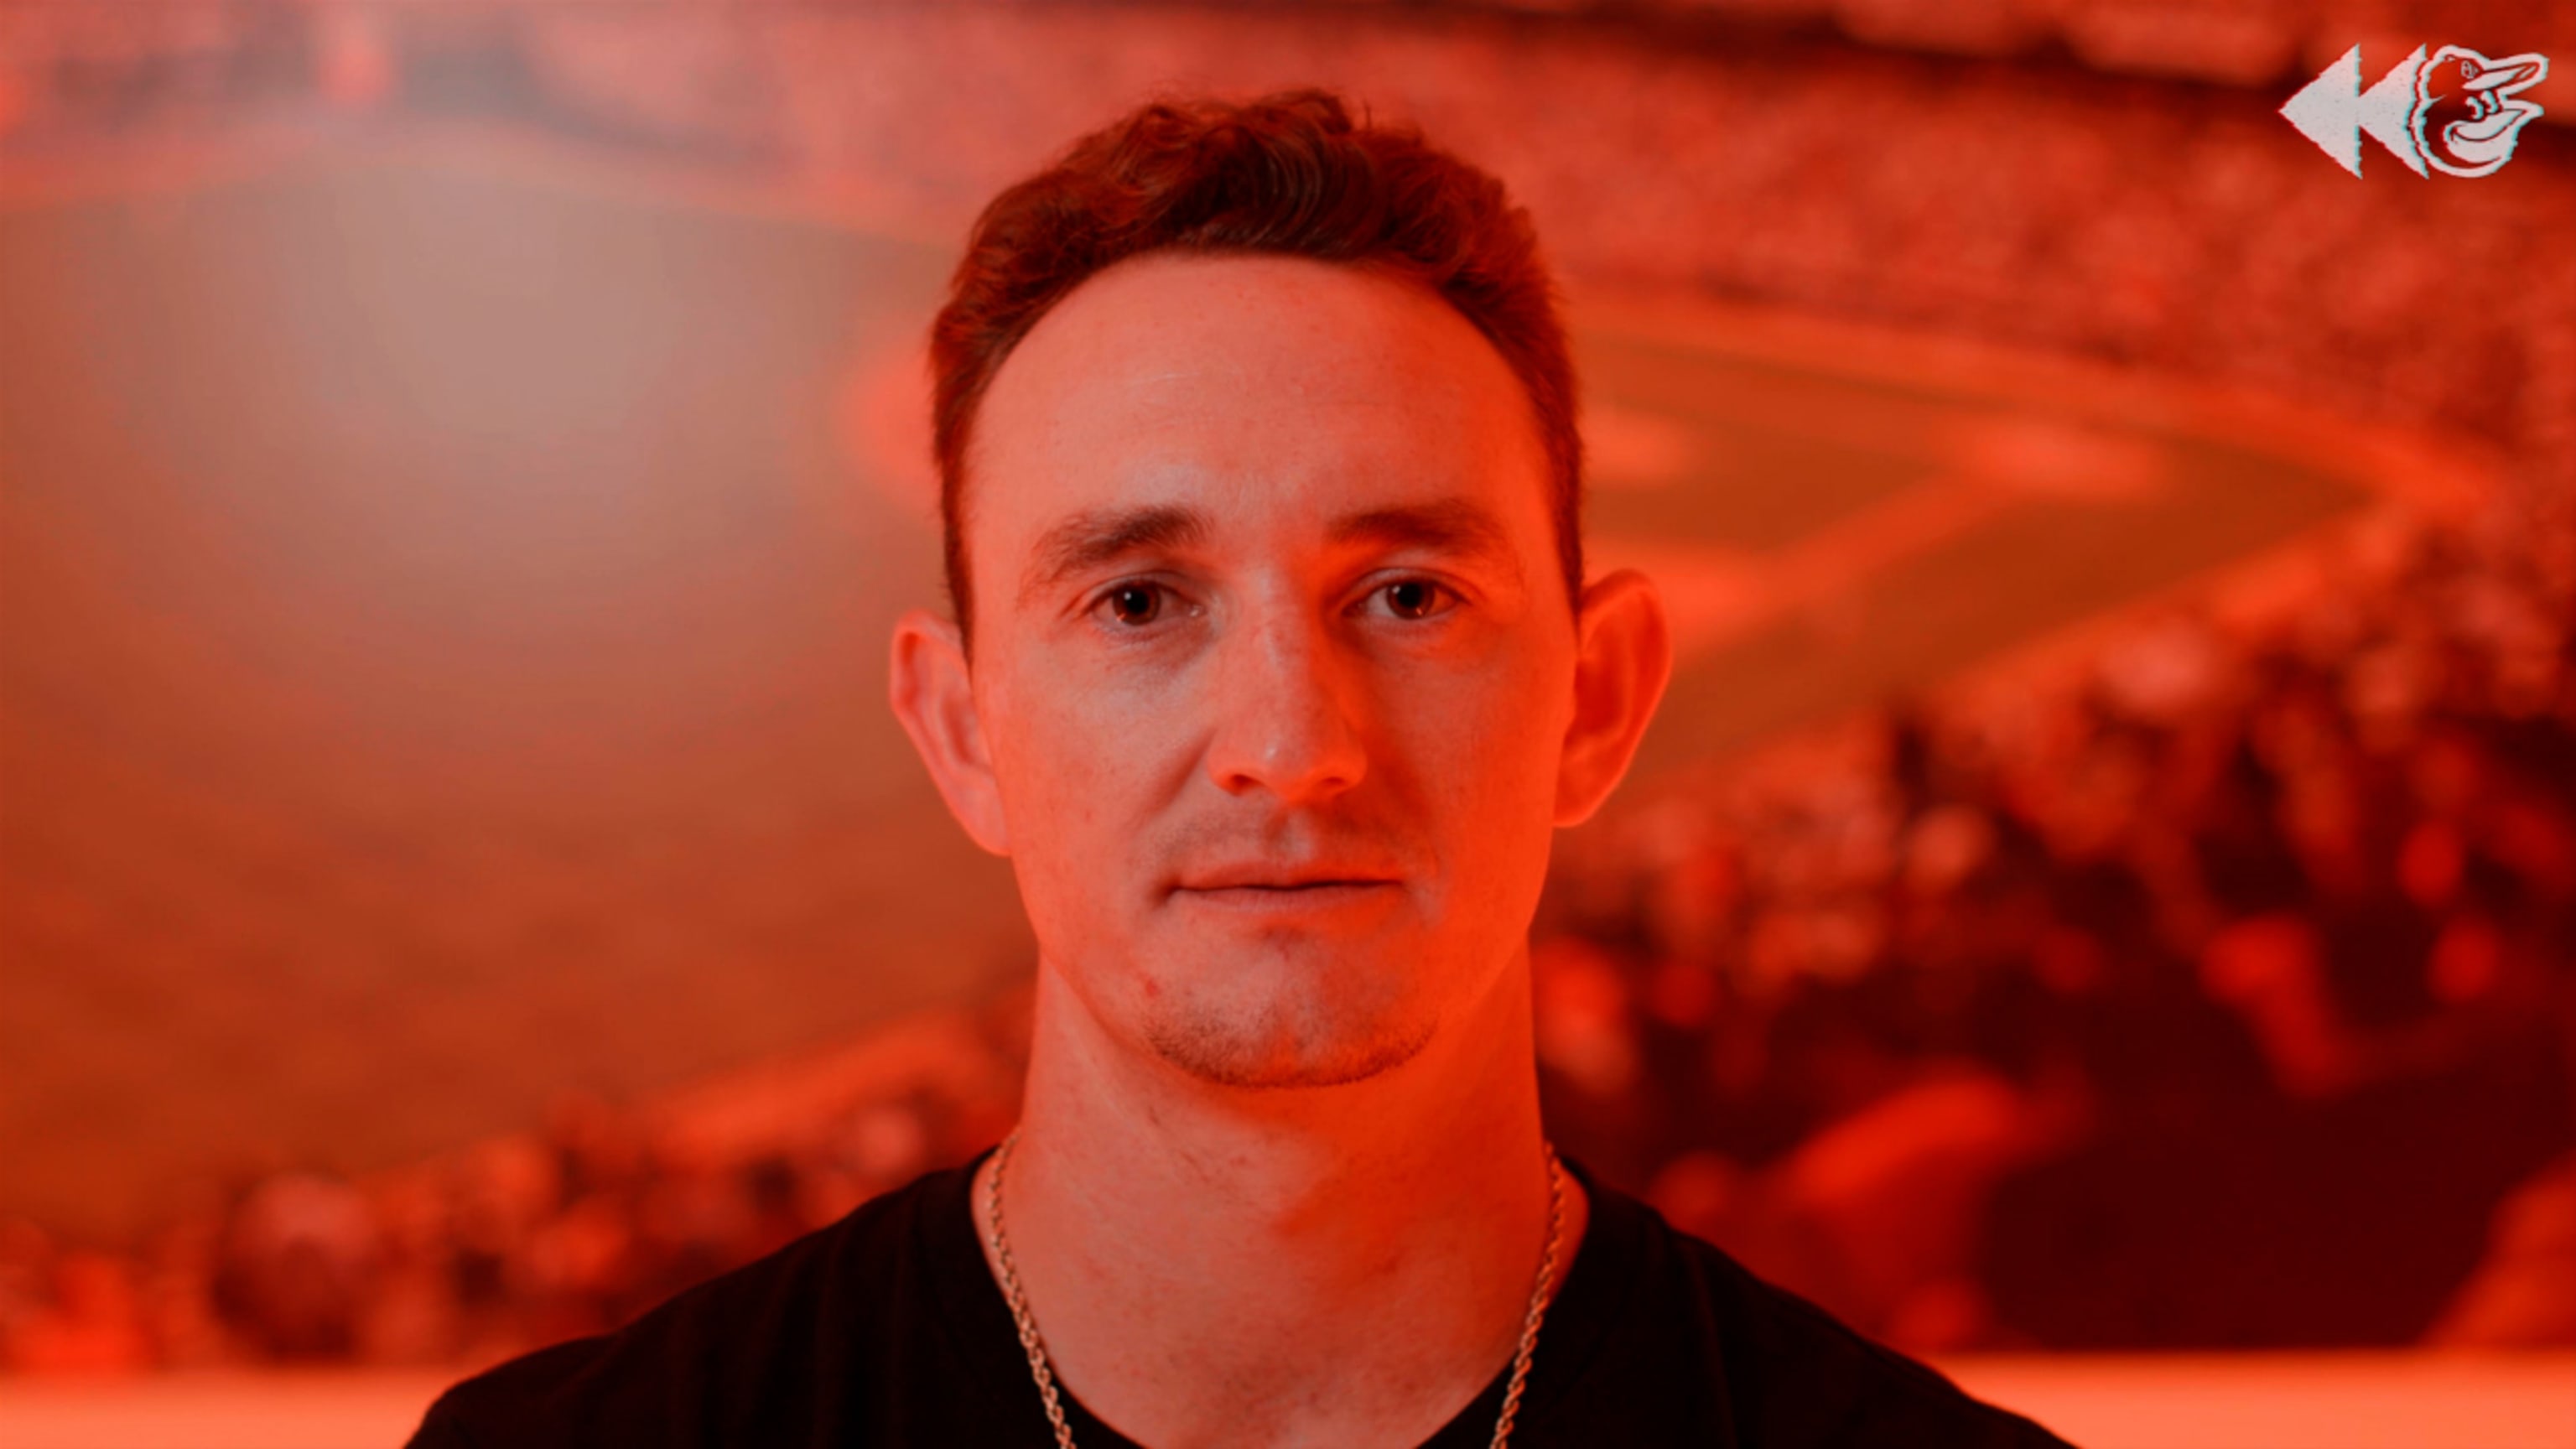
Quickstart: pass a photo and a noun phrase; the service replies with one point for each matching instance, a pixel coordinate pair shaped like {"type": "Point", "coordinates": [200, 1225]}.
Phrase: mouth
{"type": "Point", "coordinates": [1312, 900]}
{"type": "Point", "coordinates": [1274, 890]}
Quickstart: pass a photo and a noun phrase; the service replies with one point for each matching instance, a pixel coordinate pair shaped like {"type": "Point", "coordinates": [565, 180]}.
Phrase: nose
{"type": "Point", "coordinates": [1286, 712]}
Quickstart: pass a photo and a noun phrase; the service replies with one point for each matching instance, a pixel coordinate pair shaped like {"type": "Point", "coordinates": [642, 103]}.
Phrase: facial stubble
{"type": "Point", "coordinates": [1295, 1037]}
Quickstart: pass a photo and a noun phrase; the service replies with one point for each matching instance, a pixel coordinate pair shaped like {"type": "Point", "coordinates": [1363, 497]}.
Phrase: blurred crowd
{"type": "Point", "coordinates": [603, 1211]}
{"type": "Point", "coordinates": [2220, 992]}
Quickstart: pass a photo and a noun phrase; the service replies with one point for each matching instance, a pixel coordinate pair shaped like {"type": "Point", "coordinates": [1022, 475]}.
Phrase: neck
{"type": "Point", "coordinates": [1343, 1265]}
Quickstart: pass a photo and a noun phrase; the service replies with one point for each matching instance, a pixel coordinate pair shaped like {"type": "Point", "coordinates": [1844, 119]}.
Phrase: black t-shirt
{"type": "Point", "coordinates": [887, 1329]}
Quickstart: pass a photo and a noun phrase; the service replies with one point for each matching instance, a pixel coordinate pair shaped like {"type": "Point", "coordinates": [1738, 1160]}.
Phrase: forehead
{"type": "Point", "coordinates": [1277, 387]}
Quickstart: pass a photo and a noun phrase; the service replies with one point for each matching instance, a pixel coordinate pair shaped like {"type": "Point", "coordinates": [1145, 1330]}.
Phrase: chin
{"type": "Point", "coordinates": [1283, 1045]}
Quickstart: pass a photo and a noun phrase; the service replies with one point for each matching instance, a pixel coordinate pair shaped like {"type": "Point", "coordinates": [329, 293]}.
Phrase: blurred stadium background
{"type": "Point", "coordinates": [2104, 883]}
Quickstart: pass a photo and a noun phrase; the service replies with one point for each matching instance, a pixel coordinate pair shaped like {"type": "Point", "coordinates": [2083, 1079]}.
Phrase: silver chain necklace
{"type": "Point", "coordinates": [1035, 1347]}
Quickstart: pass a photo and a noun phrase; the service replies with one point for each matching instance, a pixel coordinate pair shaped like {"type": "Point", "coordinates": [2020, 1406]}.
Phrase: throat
{"type": "Point", "coordinates": [1373, 1315]}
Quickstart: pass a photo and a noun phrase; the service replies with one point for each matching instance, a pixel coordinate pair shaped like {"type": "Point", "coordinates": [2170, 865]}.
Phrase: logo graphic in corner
{"type": "Point", "coordinates": [2458, 113]}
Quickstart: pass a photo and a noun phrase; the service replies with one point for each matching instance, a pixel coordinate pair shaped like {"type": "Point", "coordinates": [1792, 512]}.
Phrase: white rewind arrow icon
{"type": "Point", "coordinates": [2334, 111]}
{"type": "Point", "coordinates": [2458, 113]}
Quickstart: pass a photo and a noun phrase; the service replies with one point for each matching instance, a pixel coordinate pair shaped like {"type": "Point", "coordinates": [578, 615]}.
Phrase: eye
{"type": "Point", "coordinates": [1415, 598]}
{"type": "Point", "coordinates": [1134, 605]}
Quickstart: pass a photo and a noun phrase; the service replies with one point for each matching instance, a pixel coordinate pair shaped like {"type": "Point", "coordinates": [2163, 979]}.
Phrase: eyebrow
{"type": "Point", "coordinates": [1450, 525]}
{"type": "Point", "coordinates": [1099, 536]}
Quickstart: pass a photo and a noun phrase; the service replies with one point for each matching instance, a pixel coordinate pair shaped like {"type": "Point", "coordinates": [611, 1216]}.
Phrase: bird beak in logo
{"type": "Point", "coordinates": [2468, 109]}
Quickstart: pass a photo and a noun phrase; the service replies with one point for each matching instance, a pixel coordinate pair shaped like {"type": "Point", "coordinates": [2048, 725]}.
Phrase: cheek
{"type": "Point", "coordinates": [1048, 762]}
{"type": "Point", "coordinates": [1485, 745]}
{"type": "Point", "coordinates": [1078, 758]}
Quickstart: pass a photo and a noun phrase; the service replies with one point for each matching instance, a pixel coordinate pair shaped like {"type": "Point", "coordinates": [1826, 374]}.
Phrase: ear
{"type": "Point", "coordinates": [1623, 658]}
{"type": "Point", "coordinates": [934, 696]}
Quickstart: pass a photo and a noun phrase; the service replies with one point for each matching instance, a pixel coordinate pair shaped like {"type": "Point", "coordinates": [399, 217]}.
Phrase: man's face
{"type": "Point", "coordinates": [1273, 662]}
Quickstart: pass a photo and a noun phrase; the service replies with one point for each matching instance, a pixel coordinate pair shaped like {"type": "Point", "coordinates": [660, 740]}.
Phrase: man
{"type": "Point", "coordinates": [1272, 670]}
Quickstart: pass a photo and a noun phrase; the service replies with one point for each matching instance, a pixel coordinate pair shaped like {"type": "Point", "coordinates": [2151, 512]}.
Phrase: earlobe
{"type": "Point", "coordinates": [933, 694]}
{"type": "Point", "coordinates": [1624, 659]}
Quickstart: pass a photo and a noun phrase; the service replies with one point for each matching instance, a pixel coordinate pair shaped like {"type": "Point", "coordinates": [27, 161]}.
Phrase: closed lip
{"type": "Point", "coordinates": [1282, 879]}
{"type": "Point", "coordinates": [1331, 894]}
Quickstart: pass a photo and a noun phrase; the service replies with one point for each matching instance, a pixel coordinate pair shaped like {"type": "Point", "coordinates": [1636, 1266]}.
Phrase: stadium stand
{"type": "Point", "coordinates": [1917, 1014]}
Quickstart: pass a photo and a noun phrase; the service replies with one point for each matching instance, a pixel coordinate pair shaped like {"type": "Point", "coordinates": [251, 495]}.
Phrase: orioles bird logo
{"type": "Point", "coordinates": [2469, 108]}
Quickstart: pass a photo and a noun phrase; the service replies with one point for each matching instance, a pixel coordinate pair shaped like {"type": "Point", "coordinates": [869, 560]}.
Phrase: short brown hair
{"type": "Point", "coordinates": [1289, 174]}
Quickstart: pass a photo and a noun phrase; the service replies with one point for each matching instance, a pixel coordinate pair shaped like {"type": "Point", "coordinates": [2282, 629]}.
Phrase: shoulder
{"type": "Point", "coordinates": [1794, 1375]}
{"type": "Point", "coordinates": [733, 1360]}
